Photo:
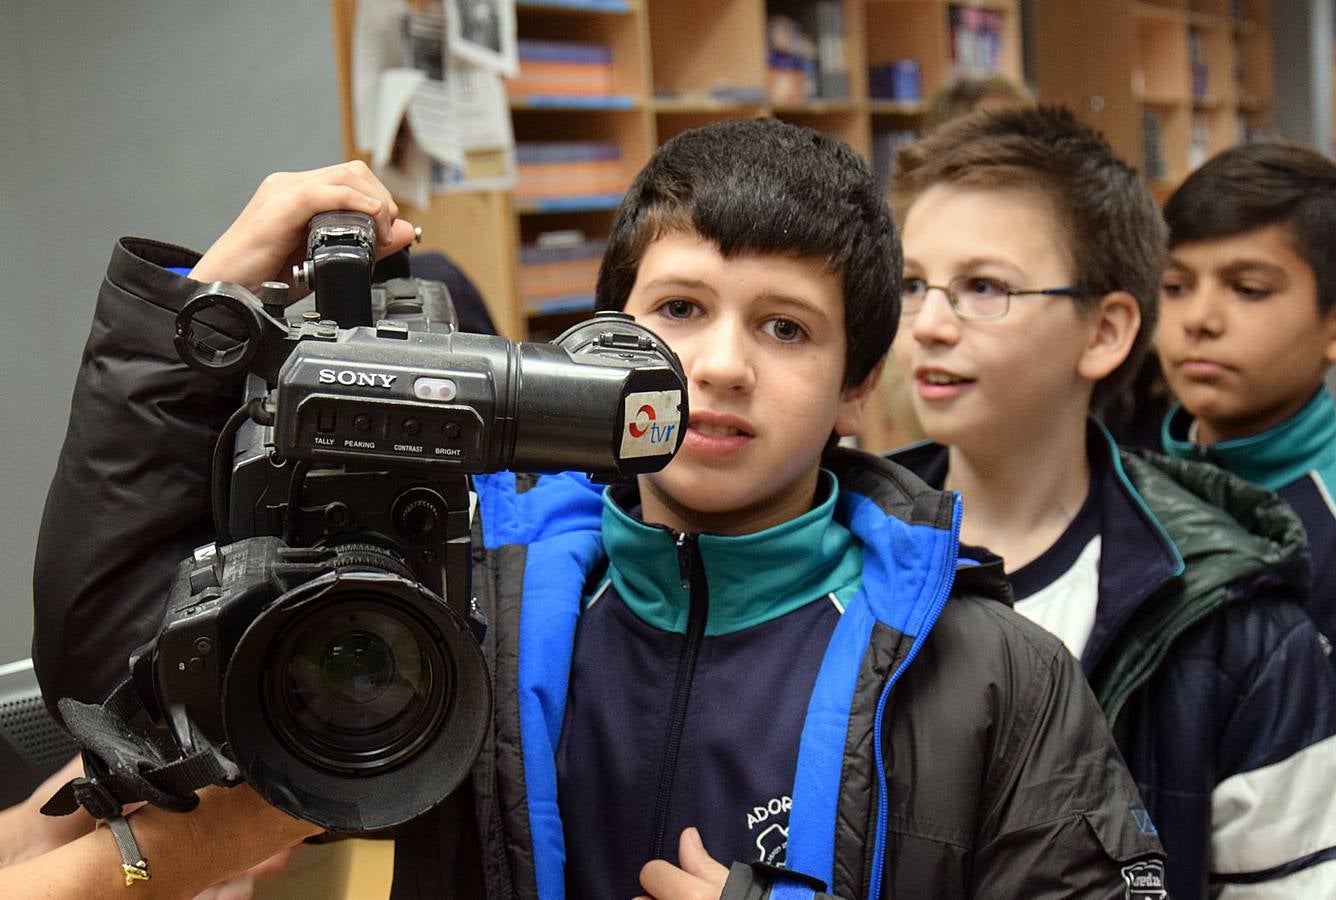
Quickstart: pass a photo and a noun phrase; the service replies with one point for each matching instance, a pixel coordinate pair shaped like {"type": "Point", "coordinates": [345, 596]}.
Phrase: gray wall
{"type": "Point", "coordinates": [141, 117]}
{"type": "Point", "coordinates": [1302, 38]}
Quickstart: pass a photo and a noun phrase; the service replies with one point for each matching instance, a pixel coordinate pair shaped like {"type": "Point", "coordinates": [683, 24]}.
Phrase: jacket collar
{"type": "Point", "coordinates": [1136, 556]}
{"type": "Point", "coordinates": [752, 578]}
{"type": "Point", "coordinates": [1273, 458]}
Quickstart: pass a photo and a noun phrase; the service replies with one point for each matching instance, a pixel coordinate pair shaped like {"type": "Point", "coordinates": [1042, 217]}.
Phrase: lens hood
{"type": "Point", "coordinates": [357, 701]}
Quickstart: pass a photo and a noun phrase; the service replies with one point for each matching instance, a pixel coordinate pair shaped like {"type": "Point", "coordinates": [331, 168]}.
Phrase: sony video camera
{"type": "Point", "coordinates": [326, 648]}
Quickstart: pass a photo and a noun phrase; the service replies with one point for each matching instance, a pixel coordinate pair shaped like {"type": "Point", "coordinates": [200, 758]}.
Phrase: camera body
{"type": "Point", "coordinates": [327, 648]}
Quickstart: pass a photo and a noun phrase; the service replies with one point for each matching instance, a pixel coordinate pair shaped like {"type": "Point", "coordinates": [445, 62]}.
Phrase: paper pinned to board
{"type": "Point", "coordinates": [428, 118]}
{"type": "Point", "coordinates": [483, 32]}
{"type": "Point", "coordinates": [481, 113]}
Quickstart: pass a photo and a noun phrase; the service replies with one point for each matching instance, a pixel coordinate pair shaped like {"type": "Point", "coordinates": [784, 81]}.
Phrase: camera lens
{"type": "Point", "coordinates": [358, 668]}
{"type": "Point", "coordinates": [357, 700]}
{"type": "Point", "coordinates": [358, 683]}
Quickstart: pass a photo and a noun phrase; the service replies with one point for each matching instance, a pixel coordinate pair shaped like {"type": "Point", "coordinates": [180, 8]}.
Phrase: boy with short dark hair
{"type": "Point", "coordinates": [773, 648]}
{"type": "Point", "coordinates": [1032, 264]}
{"type": "Point", "coordinates": [1248, 332]}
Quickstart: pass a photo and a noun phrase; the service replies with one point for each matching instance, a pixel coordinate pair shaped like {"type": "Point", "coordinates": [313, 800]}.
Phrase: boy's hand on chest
{"type": "Point", "coordinates": [700, 877]}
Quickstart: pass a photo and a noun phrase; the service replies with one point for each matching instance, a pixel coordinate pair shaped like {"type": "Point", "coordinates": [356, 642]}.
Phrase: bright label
{"type": "Point", "coordinates": [653, 423]}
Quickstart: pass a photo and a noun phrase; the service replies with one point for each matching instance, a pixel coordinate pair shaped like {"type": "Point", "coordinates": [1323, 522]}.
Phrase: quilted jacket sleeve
{"type": "Point", "coordinates": [130, 496]}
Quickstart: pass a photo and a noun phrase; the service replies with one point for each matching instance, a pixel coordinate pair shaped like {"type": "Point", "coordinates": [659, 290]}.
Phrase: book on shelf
{"type": "Point", "coordinates": [791, 60]}
{"type": "Point", "coordinates": [805, 53]}
{"type": "Point", "coordinates": [546, 169]}
{"type": "Point", "coordinates": [1197, 64]}
{"type": "Point", "coordinates": [1199, 140]}
{"type": "Point", "coordinates": [1152, 147]}
{"type": "Point", "coordinates": [900, 79]}
{"type": "Point", "coordinates": [562, 67]}
{"type": "Point", "coordinates": [975, 39]}
{"type": "Point", "coordinates": [885, 144]}
{"type": "Point", "coordinates": [832, 72]}
{"type": "Point", "coordinates": [559, 267]}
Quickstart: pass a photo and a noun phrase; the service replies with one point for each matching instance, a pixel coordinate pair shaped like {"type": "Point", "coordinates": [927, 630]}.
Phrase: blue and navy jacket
{"type": "Point", "coordinates": [1212, 675]}
{"type": "Point", "coordinates": [806, 697]}
{"type": "Point", "coordinates": [1296, 459]}
{"type": "Point", "coordinates": [906, 732]}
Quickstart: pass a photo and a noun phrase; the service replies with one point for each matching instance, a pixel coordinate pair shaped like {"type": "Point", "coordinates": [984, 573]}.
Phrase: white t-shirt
{"type": "Point", "coordinates": [1059, 589]}
{"type": "Point", "coordinates": [1066, 605]}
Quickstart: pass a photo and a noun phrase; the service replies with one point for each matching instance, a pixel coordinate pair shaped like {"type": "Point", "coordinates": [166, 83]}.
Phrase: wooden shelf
{"type": "Point", "coordinates": [1188, 68]}
{"type": "Point", "coordinates": [1210, 21]}
{"type": "Point", "coordinates": [574, 203]}
{"type": "Point", "coordinates": [1156, 12]}
{"type": "Point", "coordinates": [816, 107]}
{"type": "Point", "coordinates": [573, 103]}
{"type": "Point", "coordinates": [1145, 98]}
{"type": "Point", "coordinates": [616, 7]}
{"type": "Point", "coordinates": [696, 105]}
{"type": "Point", "coordinates": [676, 64]}
{"type": "Point", "coordinates": [897, 107]}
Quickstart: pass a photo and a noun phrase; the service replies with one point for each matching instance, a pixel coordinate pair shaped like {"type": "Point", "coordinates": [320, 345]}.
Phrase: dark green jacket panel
{"type": "Point", "coordinates": [1226, 531]}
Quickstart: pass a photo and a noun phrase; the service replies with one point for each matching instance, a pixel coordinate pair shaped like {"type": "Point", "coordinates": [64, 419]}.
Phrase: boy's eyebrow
{"type": "Point", "coordinates": [1238, 266]}
{"type": "Point", "coordinates": [975, 261]}
{"type": "Point", "coordinates": [1235, 267]}
{"type": "Point", "coordinates": [678, 281]}
{"type": "Point", "coordinates": [964, 266]}
{"type": "Point", "coordinates": [793, 300]}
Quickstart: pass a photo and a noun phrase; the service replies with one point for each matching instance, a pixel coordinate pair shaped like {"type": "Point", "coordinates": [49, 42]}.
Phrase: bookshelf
{"type": "Point", "coordinates": [1169, 82]}
{"type": "Point", "coordinates": [671, 65]}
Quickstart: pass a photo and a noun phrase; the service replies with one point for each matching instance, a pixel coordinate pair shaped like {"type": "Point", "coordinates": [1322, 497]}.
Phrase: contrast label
{"type": "Point", "coordinates": [653, 423]}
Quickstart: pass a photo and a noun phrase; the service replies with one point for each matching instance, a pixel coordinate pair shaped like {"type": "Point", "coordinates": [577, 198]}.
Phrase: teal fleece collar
{"type": "Point", "coordinates": [1275, 457]}
{"type": "Point", "coordinates": [752, 578]}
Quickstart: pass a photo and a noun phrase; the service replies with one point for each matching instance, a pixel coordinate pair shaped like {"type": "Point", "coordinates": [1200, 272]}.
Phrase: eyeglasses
{"type": "Point", "coordinates": [973, 297]}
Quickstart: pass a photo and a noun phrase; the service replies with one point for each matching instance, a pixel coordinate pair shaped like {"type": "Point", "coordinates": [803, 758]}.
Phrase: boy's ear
{"type": "Point", "coordinates": [1115, 323]}
{"type": "Point", "coordinates": [1329, 331]}
{"type": "Point", "coordinates": [849, 418]}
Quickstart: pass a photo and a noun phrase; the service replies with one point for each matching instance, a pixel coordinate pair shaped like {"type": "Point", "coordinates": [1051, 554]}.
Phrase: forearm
{"type": "Point", "coordinates": [26, 833]}
{"type": "Point", "coordinates": [231, 831]}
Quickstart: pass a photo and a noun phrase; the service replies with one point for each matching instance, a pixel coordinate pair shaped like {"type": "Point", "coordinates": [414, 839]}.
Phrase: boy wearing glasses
{"type": "Point", "coordinates": [1032, 262]}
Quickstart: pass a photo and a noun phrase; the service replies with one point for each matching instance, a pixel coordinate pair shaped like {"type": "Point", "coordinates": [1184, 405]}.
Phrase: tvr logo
{"type": "Point", "coordinates": [645, 423]}
{"type": "Point", "coordinates": [653, 423]}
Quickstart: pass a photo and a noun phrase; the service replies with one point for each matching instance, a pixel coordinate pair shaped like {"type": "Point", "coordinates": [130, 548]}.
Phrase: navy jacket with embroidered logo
{"type": "Point", "coordinates": [930, 742]}
{"type": "Point", "coordinates": [1215, 681]}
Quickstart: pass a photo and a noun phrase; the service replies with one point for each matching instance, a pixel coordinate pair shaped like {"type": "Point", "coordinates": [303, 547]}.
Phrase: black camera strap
{"type": "Point", "coordinates": [123, 764]}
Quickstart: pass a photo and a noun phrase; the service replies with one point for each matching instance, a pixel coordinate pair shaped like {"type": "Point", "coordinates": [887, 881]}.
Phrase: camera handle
{"type": "Point", "coordinates": [341, 251]}
{"type": "Point", "coordinates": [261, 349]}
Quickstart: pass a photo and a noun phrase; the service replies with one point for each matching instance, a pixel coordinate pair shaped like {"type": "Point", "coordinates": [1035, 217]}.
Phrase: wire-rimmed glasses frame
{"type": "Point", "coordinates": [975, 298]}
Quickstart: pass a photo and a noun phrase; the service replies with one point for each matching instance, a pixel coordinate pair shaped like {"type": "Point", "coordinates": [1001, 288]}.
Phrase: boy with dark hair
{"type": "Point", "coordinates": [773, 648]}
{"type": "Point", "coordinates": [1032, 263]}
{"type": "Point", "coordinates": [1249, 332]}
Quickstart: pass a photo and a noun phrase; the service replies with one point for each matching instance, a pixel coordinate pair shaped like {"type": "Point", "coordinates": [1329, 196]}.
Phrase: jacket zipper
{"type": "Point", "coordinates": [692, 573]}
{"type": "Point", "coordinates": [940, 595]}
